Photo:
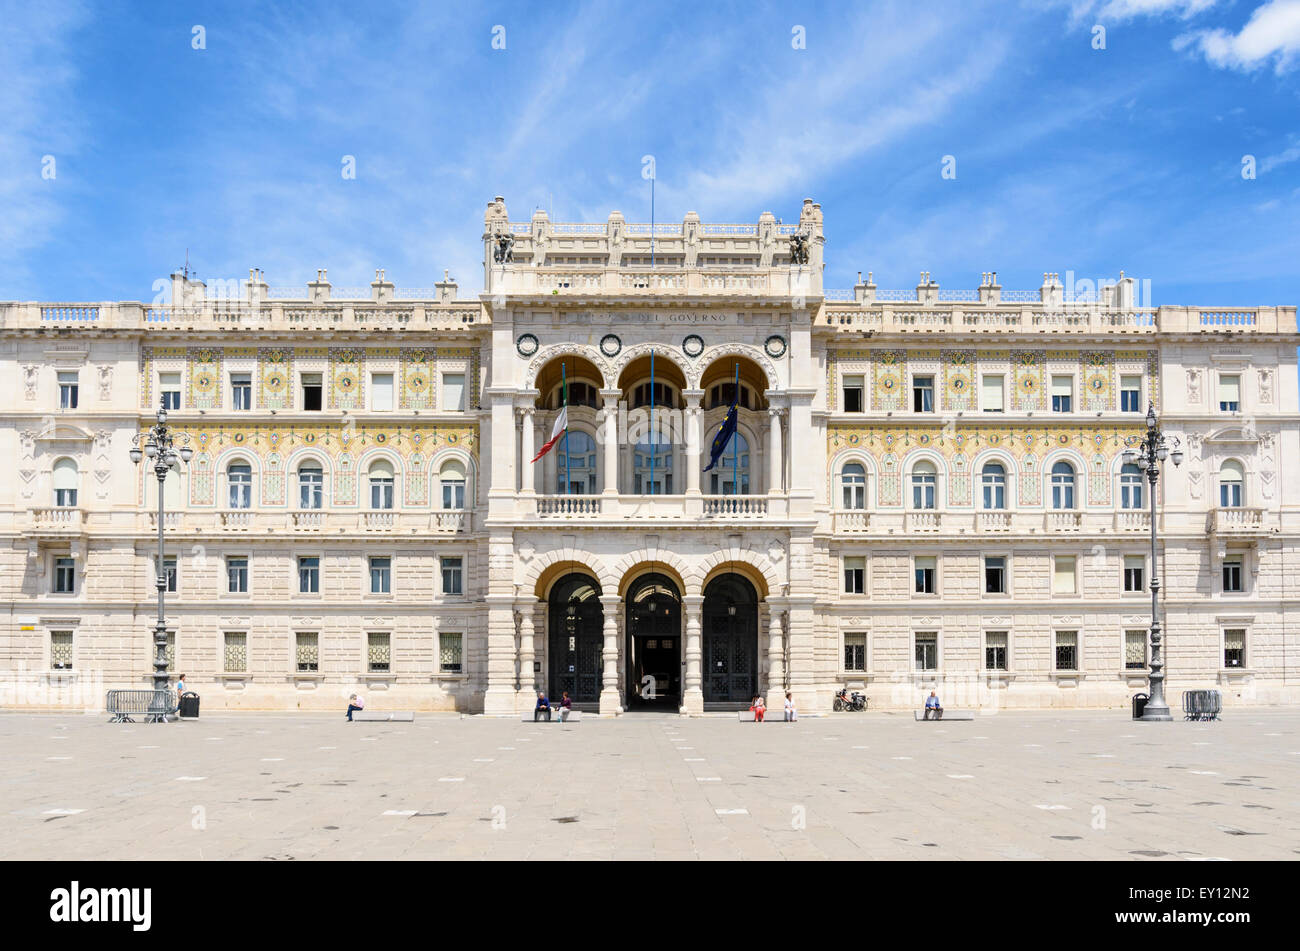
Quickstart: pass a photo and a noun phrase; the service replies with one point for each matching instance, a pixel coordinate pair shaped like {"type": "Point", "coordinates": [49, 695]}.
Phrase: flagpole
{"type": "Point", "coordinates": [735, 447]}
{"type": "Point", "coordinates": [564, 404]}
{"type": "Point", "coordinates": [652, 413]}
{"type": "Point", "coordinates": [652, 221]}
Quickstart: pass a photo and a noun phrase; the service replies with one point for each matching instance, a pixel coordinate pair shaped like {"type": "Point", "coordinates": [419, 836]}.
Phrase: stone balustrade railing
{"type": "Point", "coordinates": [993, 318]}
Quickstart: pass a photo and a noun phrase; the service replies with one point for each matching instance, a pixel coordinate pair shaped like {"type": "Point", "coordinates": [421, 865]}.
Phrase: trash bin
{"type": "Point", "coordinates": [189, 704]}
{"type": "Point", "coordinates": [1139, 704]}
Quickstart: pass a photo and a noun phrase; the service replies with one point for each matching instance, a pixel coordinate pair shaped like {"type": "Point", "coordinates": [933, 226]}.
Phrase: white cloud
{"type": "Point", "coordinates": [1121, 10]}
{"type": "Point", "coordinates": [1271, 34]}
{"type": "Point", "coordinates": [1285, 157]}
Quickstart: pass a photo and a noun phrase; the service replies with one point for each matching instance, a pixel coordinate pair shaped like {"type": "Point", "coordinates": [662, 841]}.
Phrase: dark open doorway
{"type": "Point", "coordinates": [653, 651]}
{"type": "Point", "coordinates": [576, 639]}
{"type": "Point", "coordinates": [730, 640]}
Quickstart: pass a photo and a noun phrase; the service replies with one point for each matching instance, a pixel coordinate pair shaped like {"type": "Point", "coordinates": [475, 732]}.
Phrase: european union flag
{"type": "Point", "coordinates": [725, 432]}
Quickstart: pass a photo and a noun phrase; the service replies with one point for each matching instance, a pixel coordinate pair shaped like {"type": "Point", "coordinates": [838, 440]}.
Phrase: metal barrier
{"type": "Point", "coordinates": [1202, 704]}
{"type": "Point", "coordinates": [153, 705]}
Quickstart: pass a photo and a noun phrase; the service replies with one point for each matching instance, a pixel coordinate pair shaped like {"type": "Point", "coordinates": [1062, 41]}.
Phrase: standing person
{"type": "Point", "coordinates": [791, 714]}
{"type": "Point", "coordinates": [355, 703]}
{"type": "Point", "coordinates": [180, 685]}
{"type": "Point", "coordinates": [932, 707]}
{"type": "Point", "coordinates": [566, 707]}
{"type": "Point", "coordinates": [543, 708]}
{"type": "Point", "coordinates": [759, 708]}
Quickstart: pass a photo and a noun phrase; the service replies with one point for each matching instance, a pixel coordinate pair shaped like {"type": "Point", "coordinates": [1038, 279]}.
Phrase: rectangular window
{"type": "Point", "coordinates": [169, 573]}
{"type": "Point", "coordinates": [1130, 394]}
{"type": "Point", "coordinates": [379, 653]}
{"type": "Point", "coordinates": [453, 391]}
{"type": "Point", "coordinates": [241, 391]}
{"type": "Point", "coordinates": [995, 574]}
{"type": "Point", "coordinates": [68, 388]}
{"type": "Point", "coordinates": [1232, 577]}
{"type": "Point", "coordinates": [923, 394]}
{"type": "Point", "coordinates": [1134, 569]}
{"type": "Point", "coordinates": [855, 652]}
{"type": "Point", "coordinates": [237, 575]}
{"type": "Point", "coordinates": [65, 575]}
{"type": "Point", "coordinates": [307, 652]}
{"type": "Point", "coordinates": [169, 386]}
{"type": "Point", "coordinates": [927, 650]}
{"type": "Point", "coordinates": [1234, 647]}
{"type": "Point", "coordinates": [991, 393]}
{"type": "Point", "coordinates": [1135, 650]}
{"type": "Point", "coordinates": [853, 391]}
{"type": "Point", "coordinates": [995, 650]}
{"type": "Point", "coordinates": [381, 575]}
{"type": "Point", "coordinates": [309, 575]}
{"type": "Point", "coordinates": [925, 569]}
{"type": "Point", "coordinates": [1063, 581]}
{"type": "Point", "coordinates": [236, 653]}
{"type": "Point", "coordinates": [453, 493]}
{"type": "Point", "coordinates": [1230, 392]}
{"type": "Point", "coordinates": [855, 574]}
{"type": "Point", "coordinates": [1062, 394]}
{"type": "Point", "coordinates": [452, 576]}
{"type": "Point", "coordinates": [449, 653]}
{"type": "Point", "coordinates": [381, 392]}
{"type": "Point", "coordinates": [60, 650]}
{"type": "Point", "coordinates": [1067, 650]}
{"type": "Point", "coordinates": [312, 392]}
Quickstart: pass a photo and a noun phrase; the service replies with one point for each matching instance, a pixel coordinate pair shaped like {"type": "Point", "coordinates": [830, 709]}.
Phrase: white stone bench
{"type": "Point", "coordinates": [947, 715]}
{"type": "Point", "coordinates": [574, 716]}
{"type": "Point", "coordinates": [747, 716]}
{"type": "Point", "coordinates": [384, 716]}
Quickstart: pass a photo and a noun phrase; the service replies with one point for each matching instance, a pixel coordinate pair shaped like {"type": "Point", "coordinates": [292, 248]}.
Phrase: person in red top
{"type": "Point", "coordinates": [759, 708]}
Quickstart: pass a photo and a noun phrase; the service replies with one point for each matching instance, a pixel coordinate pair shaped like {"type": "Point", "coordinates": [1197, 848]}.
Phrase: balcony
{"type": "Point", "coordinates": [55, 522]}
{"type": "Point", "coordinates": [630, 282]}
{"type": "Point", "coordinates": [171, 521]}
{"type": "Point", "coordinates": [568, 506]}
{"type": "Point", "coordinates": [1237, 522]}
{"type": "Point", "coordinates": [852, 521]}
{"type": "Point", "coordinates": [927, 522]}
{"type": "Point", "coordinates": [988, 523]}
{"type": "Point", "coordinates": [311, 521]}
{"type": "Point", "coordinates": [238, 520]}
{"type": "Point", "coordinates": [1133, 521]}
{"type": "Point", "coordinates": [666, 507]}
{"type": "Point", "coordinates": [1063, 521]}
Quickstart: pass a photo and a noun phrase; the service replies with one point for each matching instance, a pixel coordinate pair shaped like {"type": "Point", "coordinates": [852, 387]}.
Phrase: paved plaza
{"type": "Point", "coordinates": [1083, 785]}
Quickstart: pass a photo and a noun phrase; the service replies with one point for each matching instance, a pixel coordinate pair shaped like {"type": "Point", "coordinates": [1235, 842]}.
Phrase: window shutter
{"type": "Point", "coordinates": [382, 396]}
{"type": "Point", "coordinates": [1230, 389]}
{"type": "Point", "coordinates": [453, 391]}
{"type": "Point", "coordinates": [992, 392]}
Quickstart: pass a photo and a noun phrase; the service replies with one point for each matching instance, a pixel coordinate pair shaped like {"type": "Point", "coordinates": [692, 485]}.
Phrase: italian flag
{"type": "Point", "coordinates": [561, 424]}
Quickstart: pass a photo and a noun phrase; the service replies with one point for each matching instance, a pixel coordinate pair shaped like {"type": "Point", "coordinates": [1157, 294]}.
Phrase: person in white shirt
{"type": "Point", "coordinates": [791, 714]}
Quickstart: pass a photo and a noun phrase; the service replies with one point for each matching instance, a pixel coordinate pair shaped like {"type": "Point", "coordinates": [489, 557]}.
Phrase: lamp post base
{"type": "Point", "coordinates": [1158, 714]}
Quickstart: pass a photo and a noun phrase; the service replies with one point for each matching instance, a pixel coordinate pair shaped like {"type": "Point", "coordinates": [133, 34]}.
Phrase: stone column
{"type": "Point", "coordinates": [693, 689]}
{"type": "Point", "coordinates": [776, 461]}
{"type": "Point", "coordinates": [499, 697]}
{"type": "Point", "coordinates": [527, 469]}
{"type": "Point", "coordinates": [610, 437]}
{"type": "Point", "coordinates": [610, 702]}
{"type": "Point", "coordinates": [693, 447]}
{"type": "Point", "coordinates": [527, 651]}
{"type": "Point", "coordinates": [776, 655]}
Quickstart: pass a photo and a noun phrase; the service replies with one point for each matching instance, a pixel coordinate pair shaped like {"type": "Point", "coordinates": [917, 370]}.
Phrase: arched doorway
{"type": "Point", "coordinates": [730, 640]}
{"type": "Point", "coordinates": [654, 647]}
{"type": "Point", "coordinates": [576, 639]}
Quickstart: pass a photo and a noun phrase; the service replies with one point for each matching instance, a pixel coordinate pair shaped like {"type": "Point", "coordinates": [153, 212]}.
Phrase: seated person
{"type": "Point", "coordinates": [932, 708]}
{"type": "Point", "coordinates": [759, 708]}
{"type": "Point", "coordinates": [543, 708]}
{"type": "Point", "coordinates": [566, 706]}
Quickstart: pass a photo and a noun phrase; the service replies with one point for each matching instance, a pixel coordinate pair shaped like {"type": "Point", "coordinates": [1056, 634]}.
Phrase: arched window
{"type": "Point", "coordinates": [1062, 486]}
{"type": "Point", "coordinates": [721, 394]}
{"type": "Point", "coordinates": [664, 395]}
{"type": "Point", "coordinates": [239, 478]}
{"type": "Point", "coordinates": [580, 394]}
{"type": "Point", "coordinates": [311, 485]}
{"type": "Point", "coordinates": [993, 478]}
{"type": "Point", "coordinates": [575, 463]}
{"type": "Point", "coordinates": [1232, 479]}
{"type": "Point", "coordinates": [652, 466]}
{"type": "Point", "coordinates": [732, 467]}
{"type": "Point", "coordinates": [381, 484]}
{"type": "Point", "coordinates": [853, 479]}
{"type": "Point", "coordinates": [1130, 487]}
{"type": "Point", "coordinates": [452, 479]}
{"type": "Point", "coordinates": [66, 479]}
{"type": "Point", "coordinates": [925, 481]}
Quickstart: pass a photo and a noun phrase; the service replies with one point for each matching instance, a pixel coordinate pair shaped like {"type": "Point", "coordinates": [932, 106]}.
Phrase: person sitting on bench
{"type": "Point", "coordinates": [932, 707]}
{"type": "Point", "coordinates": [758, 707]}
{"type": "Point", "coordinates": [354, 703]}
{"type": "Point", "coordinates": [543, 708]}
{"type": "Point", "coordinates": [566, 707]}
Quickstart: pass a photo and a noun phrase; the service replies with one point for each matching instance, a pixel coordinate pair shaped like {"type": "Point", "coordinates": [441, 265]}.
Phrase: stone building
{"type": "Point", "coordinates": [926, 487]}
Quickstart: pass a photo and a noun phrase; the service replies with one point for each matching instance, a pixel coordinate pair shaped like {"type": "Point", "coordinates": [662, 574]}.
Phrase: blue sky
{"type": "Point", "coordinates": [1067, 157]}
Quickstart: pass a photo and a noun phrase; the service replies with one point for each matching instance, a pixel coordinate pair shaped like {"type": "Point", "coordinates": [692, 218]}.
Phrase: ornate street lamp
{"type": "Point", "coordinates": [1152, 451]}
{"type": "Point", "coordinates": [164, 456]}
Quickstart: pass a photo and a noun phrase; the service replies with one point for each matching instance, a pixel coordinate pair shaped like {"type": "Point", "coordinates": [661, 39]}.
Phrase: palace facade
{"type": "Point", "coordinates": [926, 488]}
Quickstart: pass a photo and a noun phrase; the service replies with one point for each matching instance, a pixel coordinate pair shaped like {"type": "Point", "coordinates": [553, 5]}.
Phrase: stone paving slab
{"type": "Point", "coordinates": [1073, 785]}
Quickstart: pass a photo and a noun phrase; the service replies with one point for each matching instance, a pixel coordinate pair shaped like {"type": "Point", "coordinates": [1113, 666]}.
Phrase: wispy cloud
{"type": "Point", "coordinates": [1271, 35]}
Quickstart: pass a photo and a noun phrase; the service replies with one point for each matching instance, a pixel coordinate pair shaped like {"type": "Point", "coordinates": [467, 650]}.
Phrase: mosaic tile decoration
{"type": "Point", "coordinates": [889, 380]}
{"type": "Point", "coordinates": [416, 374]}
{"type": "Point", "coordinates": [1027, 389]}
{"type": "Point", "coordinates": [1097, 386]}
{"type": "Point", "coordinates": [275, 378]}
{"type": "Point", "coordinates": [346, 378]}
{"type": "Point", "coordinates": [205, 378]}
{"type": "Point", "coordinates": [958, 380]}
